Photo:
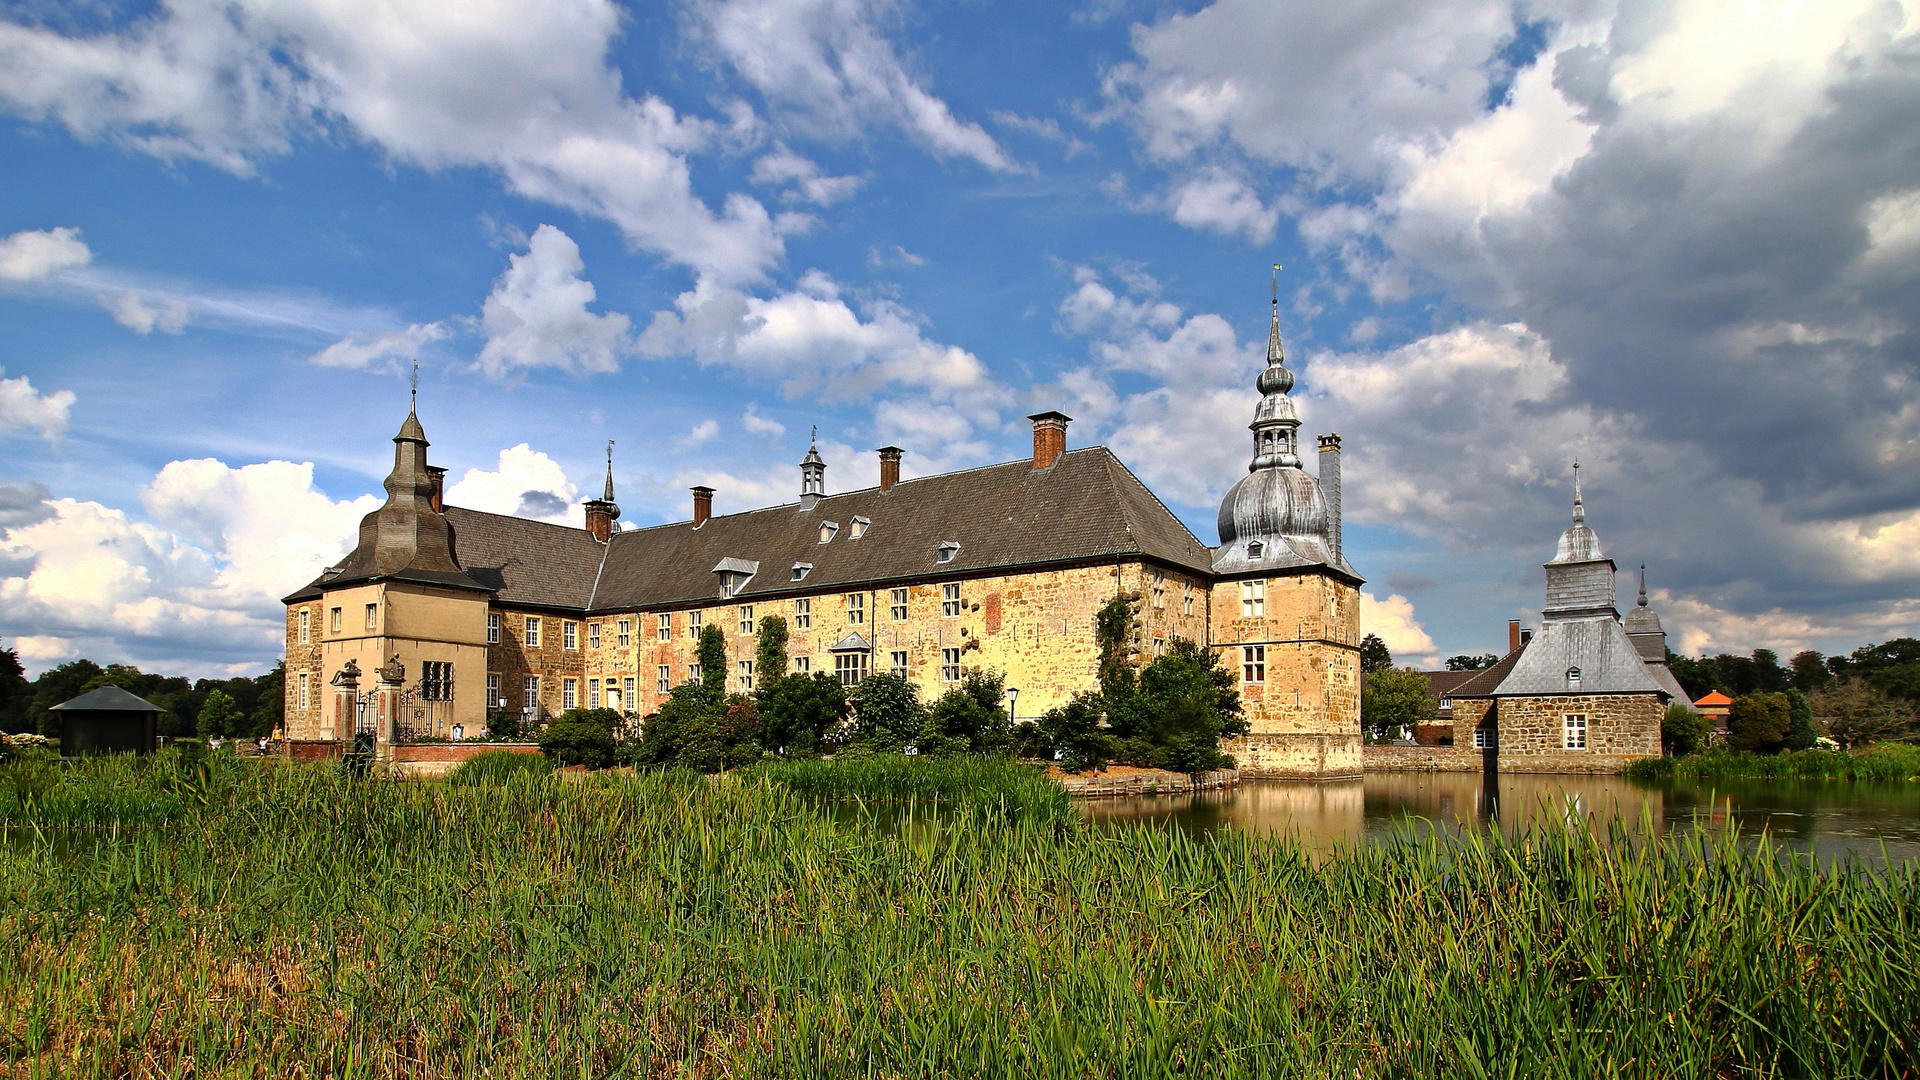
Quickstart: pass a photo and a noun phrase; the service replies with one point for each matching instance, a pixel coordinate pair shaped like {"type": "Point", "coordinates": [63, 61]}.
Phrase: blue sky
{"type": "Point", "coordinates": [1676, 240]}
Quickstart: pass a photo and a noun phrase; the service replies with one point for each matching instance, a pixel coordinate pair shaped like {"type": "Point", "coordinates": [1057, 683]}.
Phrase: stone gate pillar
{"type": "Point", "coordinates": [393, 676]}
{"type": "Point", "coordinates": [346, 695]}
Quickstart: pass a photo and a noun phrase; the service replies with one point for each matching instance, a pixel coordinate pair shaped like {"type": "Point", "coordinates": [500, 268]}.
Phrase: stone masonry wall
{"type": "Point", "coordinates": [1305, 713]}
{"type": "Point", "coordinates": [1620, 728]}
{"type": "Point", "coordinates": [304, 658]}
{"type": "Point", "coordinates": [514, 660]}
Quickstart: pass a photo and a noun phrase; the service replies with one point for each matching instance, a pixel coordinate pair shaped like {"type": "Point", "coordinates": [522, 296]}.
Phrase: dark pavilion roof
{"type": "Point", "coordinates": [107, 699]}
{"type": "Point", "coordinates": [1483, 682]}
{"type": "Point", "coordinates": [1086, 507]}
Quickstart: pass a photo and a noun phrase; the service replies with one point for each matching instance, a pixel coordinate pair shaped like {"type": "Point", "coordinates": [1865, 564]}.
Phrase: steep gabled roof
{"type": "Point", "coordinates": [1595, 645]}
{"type": "Point", "coordinates": [527, 562]}
{"type": "Point", "coordinates": [1484, 681]}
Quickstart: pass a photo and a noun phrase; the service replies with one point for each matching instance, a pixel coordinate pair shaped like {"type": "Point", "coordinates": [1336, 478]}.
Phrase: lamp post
{"type": "Point", "coordinates": [1013, 700]}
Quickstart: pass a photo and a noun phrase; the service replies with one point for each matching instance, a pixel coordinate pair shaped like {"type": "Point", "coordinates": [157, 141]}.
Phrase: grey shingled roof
{"type": "Point", "coordinates": [1086, 506]}
{"type": "Point", "coordinates": [107, 699]}
{"type": "Point", "coordinates": [1597, 645]}
{"type": "Point", "coordinates": [525, 562]}
{"type": "Point", "coordinates": [1483, 682]}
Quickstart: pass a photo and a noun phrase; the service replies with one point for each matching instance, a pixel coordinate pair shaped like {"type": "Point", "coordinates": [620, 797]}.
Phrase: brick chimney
{"type": "Point", "coordinates": [1513, 634]}
{"type": "Point", "coordinates": [702, 505]}
{"type": "Point", "coordinates": [889, 467]}
{"type": "Point", "coordinates": [438, 499]}
{"type": "Point", "coordinates": [600, 519]}
{"type": "Point", "coordinates": [1330, 488]}
{"type": "Point", "coordinates": [1049, 437]}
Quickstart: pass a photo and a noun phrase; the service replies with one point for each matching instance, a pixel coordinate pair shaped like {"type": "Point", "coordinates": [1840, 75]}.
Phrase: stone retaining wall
{"type": "Point", "coordinates": [1146, 782]}
{"type": "Point", "coordinates": [1400, 758]}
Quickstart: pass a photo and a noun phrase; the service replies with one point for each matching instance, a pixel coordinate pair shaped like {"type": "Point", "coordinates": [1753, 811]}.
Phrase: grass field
{"type": "Point", "coordinates": [1889, 761]}
{"type": "Point", "coordinates": [288, 921]}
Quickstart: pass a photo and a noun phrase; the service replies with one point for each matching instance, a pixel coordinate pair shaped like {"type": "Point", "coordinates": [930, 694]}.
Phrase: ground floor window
{"type": "Point", "coordinates": [1253, 663]}
{"type": "Point", "coordinates": [494, 700]}
{"type": "Point", "coordinates": [851, 667]}
{"type": "Point", "coordinates": [746, 676]}
{"type": "Point", "coordinates": [436, 680]}
{"type": "Point", "coordinates": [303, 690]}
{"type": "Point", "coordinates": [900, 662]}
{"type": "Point", "coordinates": [533, 692]}
{"type": "Point", "coordinates": [1576, 729]}
{"type": "Point", "coordinates": [569, 694]}
{"type": "Point", "coordinates": [613, 695]}
{"type": "Point", "coordinates": [803, 664]}
{"type": "Point", "coordinates": [1483, 738]}
{"type": "Point", "coordinates": [593, 693]}
{"type": "Point", "coordinates": [627, 685]}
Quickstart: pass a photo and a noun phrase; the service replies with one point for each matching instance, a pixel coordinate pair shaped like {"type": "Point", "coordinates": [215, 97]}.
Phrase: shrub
{"type": "Point", "coordinates": [968, 719]}
{"type": "Point", "coordinates": [1757, 723]}
{"type": "Point", "coordinates": [1683, 730]}
{"type": "Point", "coordinates": [496, 767]}
{"type": "Point", "coordinates": [581, 737]}
{"type": "Point", "coordinates": [503, 725]}
{"type": "Point", "coordinates": [1073, 733]}
{"type": "Point", "coordinates": [887, 714]}
{"type": "Point", "coordinates": [801, 714]}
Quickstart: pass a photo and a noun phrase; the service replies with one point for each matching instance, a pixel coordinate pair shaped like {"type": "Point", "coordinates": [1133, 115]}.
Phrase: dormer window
{"type": "Point", "coordinates": [332, 572]}
{"type": "Point", "coordinates": [860, 525]}
{"type": "Point", "coordinates": [734, 575]}
{"type": "Point", "coordinates": [1573, 678]}
{"type": "Point", "coordinates": [828, 529]}
{"type": "Point", "coordinates": [1254, 549]}
{"type": "Point", "coordinates": [948, 549]}
{"type": "Point", "coordinates": [801, 570]}
{"type": "Point", "coordinates": [730, 583]}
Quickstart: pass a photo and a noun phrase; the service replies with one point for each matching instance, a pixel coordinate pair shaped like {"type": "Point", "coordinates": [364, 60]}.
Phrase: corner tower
{"type": "Point", "coordinates": [1286, 605]}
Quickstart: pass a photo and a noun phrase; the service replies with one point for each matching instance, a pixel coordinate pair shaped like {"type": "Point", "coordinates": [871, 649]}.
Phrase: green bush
{"type": "Point", "coordinates": [1758, 723]}
{"type": "Point", "coordinates": [495, 767]}
{"type": "Point", "coordinates": [1684, 731]}
{"type": "Point", "coordinates": [969, 719]}
{"type": "Point", "coordinates": [581, 737]}
{"type": "Point", "coordinates": [1888, 761]}
{"type": "Point", "coordinates": [1073, 732]}
{"type": "Point", "coordinates": [887, 714]}
{"type": "Point", "coordinates": [800, 714]}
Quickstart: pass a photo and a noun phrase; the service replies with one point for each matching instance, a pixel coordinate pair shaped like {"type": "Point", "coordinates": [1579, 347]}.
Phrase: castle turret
{"type": "Point", "coordinates": [603, 512]}
{"type": "Point", "coordinates": [813, 474]}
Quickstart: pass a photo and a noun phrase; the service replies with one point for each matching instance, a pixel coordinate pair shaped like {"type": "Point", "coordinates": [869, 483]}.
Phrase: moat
{"type": "Point", "coordinates": [1833, 819]}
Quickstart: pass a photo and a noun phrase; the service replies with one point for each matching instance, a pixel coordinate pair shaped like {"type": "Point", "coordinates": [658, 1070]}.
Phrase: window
{"type": "Point", "coordinates": [1253, 663]}
{"type": "Point", "coordinates": [593, 693]}
{"type": "Point", "coordinates": [746, 619]}
{"type": "Point", "coordinates": [803, 665]}
{"type": "Point", "coordinates": [856, 608]}
{"type": "Point", "coordinates": [1159, 648]}
{"type": "Point", "coordinates": [948, 549]}
{"type": "Point", "coordinates": [373, 616]}
{"type": "Point", "coordinates": [569, 635]}
{"type": "Point", "coordinates": [850, 667]}
{"type": "Point", "coordinates": [533, 692]}
{"type": "Point", "coordinates": [693, 672]}
{"type": "Point", "coordinates": [493, 626]}
{"type": "Point", "coordinates": [802, 614]}
{"type": "Point", "coordinates": [305, 619]}
{"type": "Point", "coordinates": [950, 600]}
{"type": "Point", "coordinates": [436, 680]}
{"type": "Point", "coordinates": [899, 605]}
{"type": "Point", "coordinates": [949, 665]}
{"type": "Point", "coordinates": [1483, 738]}
{"type": "Point", "coordinates": [900, 662]}
{"type": "Point", "coordinates": [569, 694]}
{"type": "Point", "coordinates": [303, 690]}
{"type": "Point", "coordinates": [1186, 598]}
{"type": "Point", "coordinates": [1158, 581]}
{"type": "Point", "coordinates": [623, 633]}
{"type": "Point", "coordinates": [533, 633]}
{"type": "Point", "coordinates": [1446, 702]}
{"type": "Point", "coordinates": [1253, 599]}
{"type": "Point", "coordinates": [801, 570]}
{"type": "Point", "coordinates": [613, 695]}
{"type": "Point", "coordinates": [627, 684]}
{"type": "Point", "coordinates": [665, 631]}
{"type": "Point", "coordinates": [1254, 549]}
{"type": "Point", "coordinates": [663, 678]}
{"type": "Point", "coordinates": [694, 621]}
{"type": "Point", "coordinates": [860, 526]}
{"type": "Point", "coordinates": [493, 691]}
{"type": "Point", "coordinates": [593, 635]}
{"type": "Point", "coordinates": [1576, 731]}
{"type": "Point", "coordinates": [746, 676]}
{"type": "Point", "coordinates": [1573, 678]}
{"type": "Point", "coordinates": [828, 529]}
{"type": "Point", "coordinates": [333, 620]}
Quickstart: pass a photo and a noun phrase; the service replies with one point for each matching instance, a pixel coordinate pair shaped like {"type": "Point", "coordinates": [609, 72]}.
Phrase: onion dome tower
{"type": "Point", "coordinates": [813, 473]}
{"type": "Point", "coordinates": [1277, 517]}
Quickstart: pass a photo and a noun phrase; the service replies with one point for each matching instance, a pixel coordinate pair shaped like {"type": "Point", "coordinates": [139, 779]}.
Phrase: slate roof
{"type": "Point", "coordinates": [1444, 683]}
{"type": "Point", "coordinates": [1597, 645]}
{"type": "Point", "coordinates": [107, 699]}
{"type": "Point", "coordinates": [1483, 682]}
{"type": "Point", "coordinates": [525, 562]}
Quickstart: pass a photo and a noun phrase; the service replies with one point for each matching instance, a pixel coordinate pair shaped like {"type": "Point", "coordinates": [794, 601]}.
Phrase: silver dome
{"type": "Point", "coordinates": [1276, 505]}
{"type": "Point", "coordinates": [1578, 544]}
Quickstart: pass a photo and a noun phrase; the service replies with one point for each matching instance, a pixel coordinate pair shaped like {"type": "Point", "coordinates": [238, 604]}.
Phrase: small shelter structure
{"type": "Point", "coordinates": [108, 721]}
{"type": "Point", "coordinates": [1716, 707]}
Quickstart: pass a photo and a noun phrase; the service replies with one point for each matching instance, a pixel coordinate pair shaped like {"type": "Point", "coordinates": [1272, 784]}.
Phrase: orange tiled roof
{"type": "Point", "coordinates": [1715, 697]}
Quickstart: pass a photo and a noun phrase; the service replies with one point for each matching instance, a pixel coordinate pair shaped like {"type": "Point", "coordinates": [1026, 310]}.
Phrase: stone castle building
{"type": "Point", "coordinates": [1001, 568]}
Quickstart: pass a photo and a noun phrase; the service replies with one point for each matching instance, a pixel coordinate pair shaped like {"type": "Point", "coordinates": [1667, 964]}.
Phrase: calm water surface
{"type": "Point", "coordinates": [1831, 818]}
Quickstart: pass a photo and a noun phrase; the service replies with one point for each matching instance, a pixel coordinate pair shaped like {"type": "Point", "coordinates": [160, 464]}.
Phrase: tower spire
{"type": "Point", "coordinates": [1275, 354]}
{"type": "Point", "coordinates": [813, 472]}
{"type": "Point", "coordinates": [1579, 509]}
{"type": "Point", "coordinates": [413, 388]}
{"type": "Point", "coordinates": [1643, 586]}
{"type": "Point", "coordinates": [609, 494]}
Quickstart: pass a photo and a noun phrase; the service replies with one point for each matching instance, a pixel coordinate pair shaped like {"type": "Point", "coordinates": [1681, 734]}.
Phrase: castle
{"type": "Point", "coordinates": [459, 612]}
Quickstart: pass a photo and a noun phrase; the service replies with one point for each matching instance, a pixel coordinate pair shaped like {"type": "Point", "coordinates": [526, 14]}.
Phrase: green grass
{"type": "Point", "coordinates": [495, 767]}
{"type": "Point", "coordinates": [1889, 761]}
{"type": "Point", "coordinates": [297, 921]}
{"type": "Point", "coordinates": [967, 781]}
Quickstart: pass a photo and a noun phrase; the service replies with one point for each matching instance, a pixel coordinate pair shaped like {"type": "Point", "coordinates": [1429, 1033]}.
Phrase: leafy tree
{"type": "Point", "coordinates": [269, 711]}
{"type": "Point", "coordinates": [1392, 700]}
{"type": "Point", "coordinates": [217, 716]}
{"type": "Point", "coordinates": [581, 737]}
{"type": "Point", "coordinates": [1475, 662]}
{"type": "Point", "coordinates": [1026, 742]}
{"type": "Point", "coordinates": [1186, 703]}
{"type": "Point", "coordinates": [1374, 655]}
{"type": "Point", "coordinates": [1073, 732]}
{"type": "Point", "coordinates": [1801, 734]}
{"type": "Point", "coordinates": [801, 714]}
{"type": "Point", "coordinates": [1694, 676]}
{"type": "Point", "coordinates": [1856, 713]}
{"type": "Point", "coordinates": [712, 651]}
{"type": "Point", "coordinates": [770, 660]}
{"type": "Point", "coordinates": [1683, 731]}
{"type": "Point", "coordinates": [1809, 671]}
{"type": "Point", "coordinates": [1758, 723]}
{"type": "Point", "coordinates": [887, 713]}
{"type": "Point", "coordinates": [684, 715]}
{"type": "Point", "coordinates": [1114, 627]}
{"type": "Point", "coordinates": [969, 719]}
{"type": "Point", "coordinates": [16, 693]}
{"type": "Point", "coordinates": [57, 685]}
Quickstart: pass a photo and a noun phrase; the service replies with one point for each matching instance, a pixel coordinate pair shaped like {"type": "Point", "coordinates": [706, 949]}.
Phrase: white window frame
{"type": "Point", "coordinates": [801, 570]}
{"type": "Point", "coordinates": [1159, 647]}
{"type": "Point", "coordinates": [493, 691]}
{"type": "Point", "coordinates": [1574, 729]}
{"type": "Point", "coordinates": [1253, 663]}
{"type": "Point", "coordinates": [569, 635]}
{"type": "Point", "coordinates": [860, 527]}
{"type": "Point", "coordinates": [333, 623]}
{"type": "Point", "coordinates": [856, 609]}
{"type": "Point", "coordinates": [746, 676]}
{"type": "Point", "coordinates": [1186, 598]}
{"type": "Point", "coordinates": [947, 550]}
{"type": "Point", "coordinates": [306, 625]}
{"type": "Point", "coordinates": [493, 627]}
{"type": "Point", "coordinates": [950, 602]}
{"type": "Point", "coordinates": [532, 632]}
{"type": "Point", "coordinates": [664, 628]}
{"type": "Point", "coordinates": [1483, 738]}
{"type": "Point", "coordinates": [696, 621]}
{"type": "Point", "coordinates": [623, 633]}
{"type": "Point", "coordinates": [899, 659]}
{"type": "Point", "coordinates": [949, 665]}
{"type": "Point", "coordinates": [304, 690]}
{"type": "Point", "coordinates": [803, 665]}
{"type": "Point", "coordinates": [803, 614]}
{"type": "Point", "coordinates": [593, 693]}
{"type": "Point", "coordinates": [746, 618]}
{"type": "Point", "coordinates": [828, 529]}
{"type": "Point", "coordinates": [1253, 598]}
{"type": "Point", "coordinates": [593, 635]}
{"type": "Point", "coordinates": [569, 694]}
{"type": "Point", "coordinates": [693, 673]}
{"type": "Point", "coordinates": [850, 668]}
{"type": "Point", "coordinates": [531, 692]}
{"type": "Point", "coordinates": [1158, 581]}
{"type": "Point", "coordinates": [373, 616]}
{"type": "Point", "coordinates": [899, 605]}
{"type": "Point", "coordinates": [664, 677]}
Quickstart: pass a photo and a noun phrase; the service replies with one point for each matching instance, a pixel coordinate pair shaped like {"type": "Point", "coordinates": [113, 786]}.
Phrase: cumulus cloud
{"type": "Point", "coordinates": [195, 587]}
{"type": "Point", "coordinates": [1220, 202]}
{"type": "Point", "coordinates": [167, 314]}
{"type": "Point", "coordinates": [761, 425]}
{"type": "Point", "coordinates": [1394, 621]}
{"type": "Point", "coordinates": [382, 350]}
{"type": "Point", "coordinates": [22, 408]}
{"type": "Point", "coordinates": [525, 482]}
{"type": "Point", "coordinates": [522, 87]}
{"type": "Point", "coordinates": [827, 65]}
{"type": "Point", "coordinates": [537, 314]}
{"type": "Point", "coordinates": [37, 254]}
{"type": "Point", "coordinates": [702, 431]}
{"type": "Point", "coordinates": [784, 167]}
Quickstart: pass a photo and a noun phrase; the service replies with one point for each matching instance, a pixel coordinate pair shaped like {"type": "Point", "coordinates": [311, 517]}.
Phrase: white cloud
{"type": "Point", "coordinates": [761, 425]}
{"type": "Point", "coordinates": [702, 431]}
{"type": "Point", "coordinates": [893, 255]}
{"type": "Point", "coordinates": [1394, 621]}
{"type": "Point", "coordinates": [537, 314]}
{"type": "Point", "coordinates": [168, 314]}
{"type": "Point", "coordinates": [1045, 127]}
{"type": "Point", "coordinates": [526, 482]}
{"type": "Point", "coordinates": [827, 63]}
{"type": "Point", "coordinates": [783, 167]}
{"type": "Point", "coordinates": [381, 350]}
{"type": "Point", "coordinates": [22, 408]}
{"type": "Point", "coordinates": [37, 254]}
{"type": "Point", "coordinates": [522, 87]}
{"type": "Point", "coordinates": [1223, 203]}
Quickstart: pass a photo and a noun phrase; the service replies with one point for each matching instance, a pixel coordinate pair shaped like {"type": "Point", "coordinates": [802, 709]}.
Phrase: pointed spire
{"type": "Point", "coordinates": [1643, 586]}
{"type": "Point", "coordinates": [1579, 508]}
{"type": "Point", "coordinates": [1275, 354]}
{"type": "Point", "coordinates": [609, 494]}
{"type": "Point", "coordinates": [813, 472]}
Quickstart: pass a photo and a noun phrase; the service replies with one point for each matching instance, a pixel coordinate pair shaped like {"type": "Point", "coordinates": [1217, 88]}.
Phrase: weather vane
{"type": "Point", "coordinates": [1276, 284]}
{"type": "Point", "coordinates": [413, 387]}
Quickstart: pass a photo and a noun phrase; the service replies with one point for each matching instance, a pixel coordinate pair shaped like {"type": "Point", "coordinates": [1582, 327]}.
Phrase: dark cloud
{"type": "Point", "coordinates": [1406, 582]}
{"type": "Point", "coordinates": [539, 504]}
{"type": "Point", "coordinates": [23, 504]}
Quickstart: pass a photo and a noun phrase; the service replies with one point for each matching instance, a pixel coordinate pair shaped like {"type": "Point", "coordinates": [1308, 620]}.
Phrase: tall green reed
{"type": "Point", "coordinates": [1887, 761]}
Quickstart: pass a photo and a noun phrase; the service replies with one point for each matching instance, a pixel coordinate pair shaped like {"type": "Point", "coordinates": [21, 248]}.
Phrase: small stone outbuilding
{"type": "Point", "coordinates": [108, 721]}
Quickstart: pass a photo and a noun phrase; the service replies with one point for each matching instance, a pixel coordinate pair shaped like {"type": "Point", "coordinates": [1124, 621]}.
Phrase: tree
{"type": "Point", "coordinates": [1758, 722]}
{"type": "Point", "coordinates": [1374, 655]}
{"type": "Point", "coordinates": [969, 719]}
{"type": "Point", "coordinates": [16, 694]}
{"type": "Point", "coordinates": [269, 711]}
{"type": "Point", "coordinates": [1801, 734]}
{"type": "Point", "coordinates": [801, 714]}
{"type": "Point", "coordinates": [581, 737]}
{"type": "Point", "coordinates": [887, 714]}
{"type": "Point", "coordinates": [1856, 713]}
{"type": "Point", "coordinates": [57, 685]}
{"type": "Point", "coordinates": [770, 659]}
{"type": "Point", "coordinates": [1113, 633]}
{"type": "Point", "coordinates": [712, 651]}
{"type": "Point", "coordinates": [1185, 704]}
{"type": "Point", "coordinates": [1072, 732]}
{"type": "Point", "coordinates": [1683, 731]}
{"type": "Point", "coordinates": [1809, 671]}
{"type": "Point", "coordinates": [1392, 700]}
{"type": "Point", "coordinates": [1694, 676]}
{"type": "Point", "coordinates": [218, 716]}
{"type": "Point", "coordinates": [1477, 662]}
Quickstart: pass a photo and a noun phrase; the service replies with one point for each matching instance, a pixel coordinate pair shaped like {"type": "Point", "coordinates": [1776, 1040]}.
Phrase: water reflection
{"type": "Point", "coordinates": [1833, 819]}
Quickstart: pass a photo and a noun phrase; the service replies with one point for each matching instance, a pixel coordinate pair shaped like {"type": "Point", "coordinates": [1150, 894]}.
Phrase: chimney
{"type": "Point", "coordinates": [1330, 487]}
{"type": "Point", "coordinates": [1513, 634]}
{"type": "Point", "coordinates": [1526, 636]}
{"type": "Point", "coordinates": [600, 519]}
{"type": "Point", "coordinates": [702, 505]}
{"type": "Point", "coordinates": [438, 500]}
{"type": "Point", "coordinates": [889, 467]}
{"type": "Point", "coordinates": [1049, 437]}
